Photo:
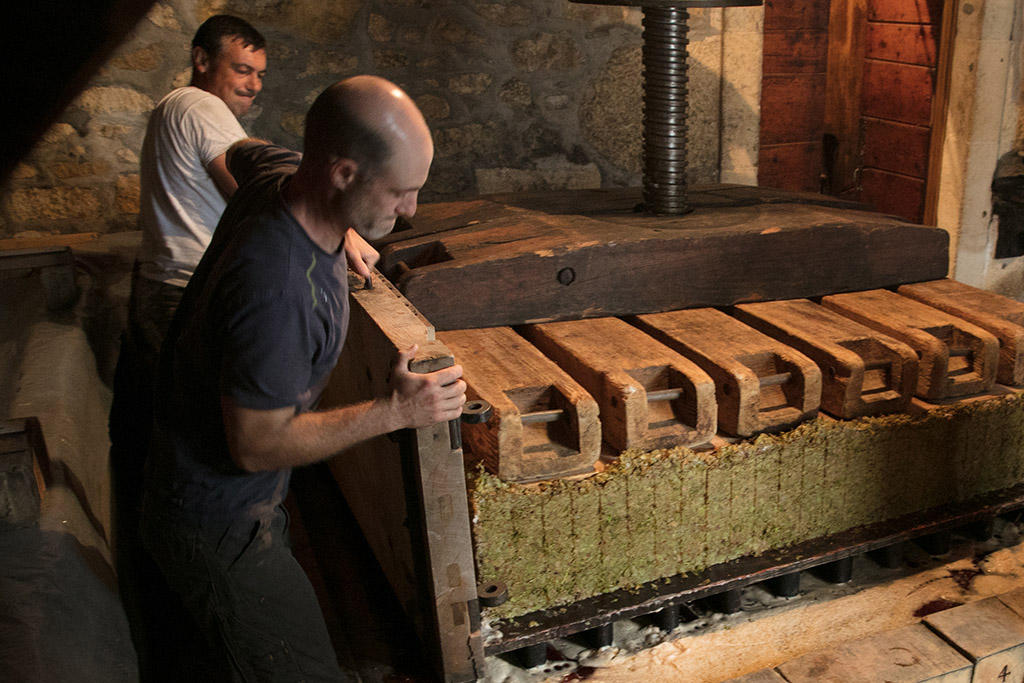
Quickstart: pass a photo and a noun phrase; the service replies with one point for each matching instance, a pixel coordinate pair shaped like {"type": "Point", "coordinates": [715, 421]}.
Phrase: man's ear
{"type": "Point", "coordinates": [344, 173]}
{"type": "Point", "coordinates": [200, 60]}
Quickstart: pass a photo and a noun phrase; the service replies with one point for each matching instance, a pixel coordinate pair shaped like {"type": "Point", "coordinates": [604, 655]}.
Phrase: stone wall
{"type": "Point", "coordinates": [521, 95]}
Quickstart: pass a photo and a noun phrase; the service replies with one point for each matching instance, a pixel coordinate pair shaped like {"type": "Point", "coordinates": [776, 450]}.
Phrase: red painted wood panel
{"type": "Point", "coordinates": [893, 194]}
{"type": "Point", "coordinates": [797, 51]}
{"type": "Point", "coordinates": [906, 11]}
{"type": "Point", "coordinates": [906, 43]}
{"type": "Point", "coordinates": [896, 147]}
{"type": "Point", "coordinates": [792, 108]}
{"type": "Point", "coordinates": [795, 14]}
{"type": "Point", "coordinates": [898, 92]}
{"type": "Point", "coordinates": [795, 167]}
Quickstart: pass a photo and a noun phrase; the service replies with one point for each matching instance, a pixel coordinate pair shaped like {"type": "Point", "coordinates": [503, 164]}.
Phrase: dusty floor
{"type": "Point", "coordinates": [55, 366]}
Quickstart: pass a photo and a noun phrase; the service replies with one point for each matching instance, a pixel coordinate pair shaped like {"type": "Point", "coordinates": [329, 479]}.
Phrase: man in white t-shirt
{"type": "Point", "coordinates": [185, 185]}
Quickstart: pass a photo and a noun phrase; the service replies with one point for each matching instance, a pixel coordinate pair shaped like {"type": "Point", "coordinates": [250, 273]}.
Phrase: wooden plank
{"type": "Point", "coordinates": [544, 267]}
{"type": "Point", "coordinates": [544, 425]}
{"type": "Point", "coordinates": [762, 676]}
{"type": "Point", "coordinates": [906, 11]}
{"type": "Point", "coordinates": [795, 14]}
{"type": "Point", "coordinates": [1014, 600]}
{"type": "Point", "coordinates": [940, 106]}
{"type": "Point", "coordinates": [1000, 315]}
{"type": "Point", "coordinates": [791, 166]}
{"type": "Point", "coordinates": [893, 194]}
{"type": "Point", "coordinates": [760, 384]}
{"type": "Point", "coordinates": [956, 358]}
{"type": "Point", "coordinates": [792, 108]}
{"type": "Point", "coordinates": [863, 371]}
{"type": "Point", "coordinates": [904, 655]}
{"type": "Point", "coordinates": [795, 51]}
{"type": "Point", "coordinates": [990, 633]}
{"type": "Point", "coordinates": [898, 92]}
{"type": "Point", "coordinates": [846, 47]}
{"type": "Point", "coordinates": [421, 538]}
{"type": "Point", "coordinates": [648, 395]}
{"type": "Point", "coordinates": [896, 147]}
{"type": "Point", "coordinates": [47, 241]}
{"type": "Point", "coordinates": [904, 43]}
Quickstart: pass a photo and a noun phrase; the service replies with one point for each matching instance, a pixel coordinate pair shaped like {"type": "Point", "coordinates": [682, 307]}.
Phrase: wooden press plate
{"type": "Point", "coordinates": [956, 358]}
{"type": "Point", "coordinates": [864, 372]}
{"type": "Point", "coordinates": [544, 425]}
{"type": "Point", "coordinates": [761, 384]}
{"type": "Point", "coordinates": [1000, 315]}
{"type": "Point", "coordinates": [649, 395]}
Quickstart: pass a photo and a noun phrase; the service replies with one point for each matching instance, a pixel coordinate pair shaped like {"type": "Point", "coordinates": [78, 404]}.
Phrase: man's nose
{"type": "Point", "coordinates": [255, 83]}
{"type": "Point", "coordinates": [407, 207]}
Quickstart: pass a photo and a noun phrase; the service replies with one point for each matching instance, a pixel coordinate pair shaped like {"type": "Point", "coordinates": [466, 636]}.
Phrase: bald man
{"type": "Point", "coordinates": [251, 347]}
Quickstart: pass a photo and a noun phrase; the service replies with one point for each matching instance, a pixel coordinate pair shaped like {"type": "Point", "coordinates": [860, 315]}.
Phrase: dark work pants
{"type": "Point", "coordinates": [144, 592]}
{"type": "Point", "coordinates": [247, 595]}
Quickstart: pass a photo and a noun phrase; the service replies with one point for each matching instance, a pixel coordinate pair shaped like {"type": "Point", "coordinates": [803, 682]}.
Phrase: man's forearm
{"type": "Point", "coordinates": [272, 443]}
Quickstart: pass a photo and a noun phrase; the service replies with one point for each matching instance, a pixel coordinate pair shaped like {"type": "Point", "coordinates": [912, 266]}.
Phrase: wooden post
{"type": "Point", "coordinates": [410, 497]}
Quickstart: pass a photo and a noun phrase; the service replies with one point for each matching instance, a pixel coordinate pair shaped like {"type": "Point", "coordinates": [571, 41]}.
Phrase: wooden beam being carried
{"type": "Point", "coordinates": [956, 358]}
{"type": "Point", "coordinates": [649, 395]}
{"type": "Point", "coordinates": [761, 384]}
{"type": "Point", "coordinates": [864, 372]}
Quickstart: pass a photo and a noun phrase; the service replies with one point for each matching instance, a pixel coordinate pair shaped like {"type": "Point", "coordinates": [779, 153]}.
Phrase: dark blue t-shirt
{"type": "Point", "coordinates": [262, 321]}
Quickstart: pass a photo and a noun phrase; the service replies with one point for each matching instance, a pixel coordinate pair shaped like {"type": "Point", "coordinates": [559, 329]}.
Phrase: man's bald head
{"type": "Point", "coordinates": [366, 119]}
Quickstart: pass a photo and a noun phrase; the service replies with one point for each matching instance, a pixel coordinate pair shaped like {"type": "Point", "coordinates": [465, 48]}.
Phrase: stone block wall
{"type": "Point", "coordinates": [521, 95]}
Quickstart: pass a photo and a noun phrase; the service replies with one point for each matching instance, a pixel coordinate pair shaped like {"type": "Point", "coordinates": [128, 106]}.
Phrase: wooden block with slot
{"type": "Point", "coordinates": [863, 372]}
{"type": "Point", "coordinates": [955, 358]}
{"type": "Point", "coordinates": [905, 655]}
{"type": "Point", "coordinates": [544, 424]}
{"type": "Point", "coordinates": [760, 383]}
{"type": "Point", "coordinates": [1002, 316]}
{"type": "Point", "coordinates": [990, 633]}
{"type": "Point", "coordinates": [649, 396]}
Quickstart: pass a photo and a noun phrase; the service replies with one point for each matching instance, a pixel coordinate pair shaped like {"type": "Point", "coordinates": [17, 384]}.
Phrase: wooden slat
{"type": "Point", "coordinates": [794, 14]}
{"type": "Point", "coordinates": [48, 241]}
{"type": "Point", "coordinates": [956, 358]}
{"type": "Point", "coordinates": [792, 108]}
{"type": "Point", "coordinates": [544, 425]}
{"type": "Point", "coordinates": [904, 43]}
{"type": "Point", "coordinates": [648, 395]}
{"type": "Point", "coordinates": [843, 93]}
{"type": "Point", "coordinates": [863, 371]}
{"type": "Point", "coordinates": [898, 92]}
{"type": "Point", "coordinates": [760, 384]}
{"type": "Point", "coordinates": [897, 147]}
{"type": "Point", "coordinates": [906, 11]}
{"type": "Point", "coordinates": [421, 537]}
{"type": "Point", "coordinates": [1000, 315]}
{"type": "Point", "coordinates": [940, 106]}
{"type": "Point", "coordinates": [893, 194]}
{"type": "Point", "coordinates": [791, 166]}
{"type": "Point", "coordinates": [905, 655]}
{"type": "Point", "coordinates": [990, 633]}
{"type": "Point", "coordinates": [540, 267]}
{"type": "Point", "coordinates": [795, 51]}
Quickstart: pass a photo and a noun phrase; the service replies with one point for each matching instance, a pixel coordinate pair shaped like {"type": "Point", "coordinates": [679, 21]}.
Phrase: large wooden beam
{"type": "Point", "coordinates": [409, 493]}
{"type": "Point", "coordinates": [740, 245]}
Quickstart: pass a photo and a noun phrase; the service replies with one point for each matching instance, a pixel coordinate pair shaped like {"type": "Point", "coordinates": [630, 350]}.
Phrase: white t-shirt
{"type": "Point", "coordinates": [179, 200]}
